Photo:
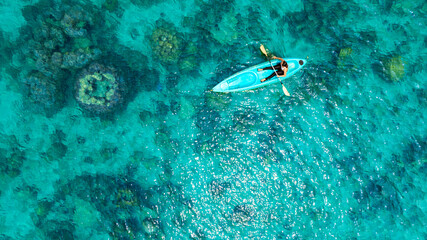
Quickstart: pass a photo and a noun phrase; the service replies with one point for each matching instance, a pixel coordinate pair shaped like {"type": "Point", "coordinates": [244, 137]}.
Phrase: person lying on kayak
{"type": "Point", "coordinates": [281, 69]}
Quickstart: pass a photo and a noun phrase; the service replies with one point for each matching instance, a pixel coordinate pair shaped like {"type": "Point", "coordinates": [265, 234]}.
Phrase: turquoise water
{"type": "Point", "coordinates": [108, 129]}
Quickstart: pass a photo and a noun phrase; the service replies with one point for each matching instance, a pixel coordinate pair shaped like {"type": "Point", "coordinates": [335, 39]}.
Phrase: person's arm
{"type": "Point", "coordinates": [281, 59]}
{"type": "Point", "coordinates": [286, 69]}
{"type": "Point", "coordinates": [284, 74]}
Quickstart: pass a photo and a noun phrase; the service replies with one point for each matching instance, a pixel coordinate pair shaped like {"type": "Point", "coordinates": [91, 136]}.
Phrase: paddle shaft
{"type": "Point", "coordinates": [274, 70]}
{"type": "Point", "coordinates": [284, 89]}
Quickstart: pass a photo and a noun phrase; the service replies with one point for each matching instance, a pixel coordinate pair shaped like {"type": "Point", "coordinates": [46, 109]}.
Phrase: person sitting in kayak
{"type": "Point", "coordinates": [281, 69]}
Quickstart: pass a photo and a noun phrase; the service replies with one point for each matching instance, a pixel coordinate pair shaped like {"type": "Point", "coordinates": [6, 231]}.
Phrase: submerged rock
{"type": "Point", "coordinates": [207, 120]}
{"type": "Point", "coordinates": [124, 229]}
{"type": "Point", "coordinates": [146, 3]}
{"type": "Point", "coordinates": [217, 188]}
{"type": "Point", "coordinates": [150, 225]}
{"type": "Point", "coordinates": [186, 110]}
{"type": "Point", "coordinates": [216, 101]}
{"type": "Point", "coordinates": [56, 151]}
{"type": "Point", "coordinates": [245, 120]}
{"type": "Point", "coordinates": [394, 68]}
{"type": "Point", "coordinates": [85, 214]}
{"type": "Point", "coordinates": [345, 52]}
{"type": "Point", "coordinates": [243, 213]}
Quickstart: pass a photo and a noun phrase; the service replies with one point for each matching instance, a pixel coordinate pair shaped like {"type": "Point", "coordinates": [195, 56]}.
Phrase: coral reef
{"type": "Point", "coordinates": [76, 21]}
{"type": "Point", "coordinates": [43, 90]}
{"type": "Point", "coordinates": [212, 13]}
{"type": "Point", "coordinates": [186, 110]}
{"type": "Point", "coordinates": [390, 68]}
{"type": "Point", "coordinates": [196, 165]}
{"type": "Point", "coordinates": [323, 22]}
{"type": "Point", "coordinates": [99, 89]}
{"type": "Point", "coordinates": [219, 22]}
{"type": "Point", "coordinates": [207, 119]}
{"type": "Point", "coordinates": [56, 43]}
{"type": "Point", "coordinates": [394, 68]}
{"type": "Point", "coordinates": [171, 47]}
{"type": "Point", "coordinates": [167, 145]}
{"type": "Point", "coordinates": [345, 52]}
{"type": "Point", "coordinates": [343, 58]}
{"type": "Point", "coordinates": [166, 42]}
{"type": "Point", "coordinates": [146, 117]}
{"type": "Point", "coordinates": [245, 120]}
{"type": "Point", "coordinates": [216, 101]}
{"type": "Point", "coordinates": [125, 229]}
{"type": "Point", "coordinates": [243, 213]}
{"type": "Point", "coordinates": [54, 219]}
{"type": "Point", "coordinates": [86, 200]}
{"type": "Point", "coordinates": [150, 225]}
{"type": "Point", "coordinates": [60, 38]}
{"type": "Point", "coordinates": [11, 163]}
{"type": "Point", "coordinates": [111, 5]}
{"type": "Point", "coordinates": [79, 58]}
{"type": "Point", "coordinates": [217, 188]}
{"type": "Point", "coordinates": [146, 3]}
{"type": "Point", "coordinates": [56, 151]}
{"type": "Point", "coordinates": [126, 198]}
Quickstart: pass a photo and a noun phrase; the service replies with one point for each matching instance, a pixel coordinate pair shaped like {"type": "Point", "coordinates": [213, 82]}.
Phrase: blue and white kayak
{"type": "Point", "coordinates": [250, 78]}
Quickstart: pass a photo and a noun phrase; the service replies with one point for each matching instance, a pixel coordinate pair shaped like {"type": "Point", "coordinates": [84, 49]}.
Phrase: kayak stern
{"type": "Point", "coordinates": [221, 87]}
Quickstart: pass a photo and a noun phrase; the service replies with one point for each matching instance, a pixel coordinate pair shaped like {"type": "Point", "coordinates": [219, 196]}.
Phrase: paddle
{"type": "Point", "coordinates": [285, 91]}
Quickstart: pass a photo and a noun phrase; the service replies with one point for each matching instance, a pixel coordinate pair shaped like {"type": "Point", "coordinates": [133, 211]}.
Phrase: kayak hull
{"type": "Point", "coordinates": [250, 78]}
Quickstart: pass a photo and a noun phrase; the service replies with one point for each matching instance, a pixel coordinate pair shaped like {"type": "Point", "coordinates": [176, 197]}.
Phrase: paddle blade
{"type": "Point", "coordinates": [262, 48]}
{"type": "Point", "coordinates": [285, 91]}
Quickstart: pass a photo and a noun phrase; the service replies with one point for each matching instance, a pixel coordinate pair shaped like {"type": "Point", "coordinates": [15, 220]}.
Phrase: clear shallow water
{"type": "Point", "coordinates": [343, 157]}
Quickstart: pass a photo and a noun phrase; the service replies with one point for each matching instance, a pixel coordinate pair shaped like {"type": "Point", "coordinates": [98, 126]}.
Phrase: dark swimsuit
{"type": "Point", "coordinates": [278, 68]}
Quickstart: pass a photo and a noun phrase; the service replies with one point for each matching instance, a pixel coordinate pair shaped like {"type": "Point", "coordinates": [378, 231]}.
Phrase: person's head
{"type": "Point", "coordinates": [285, 64]}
